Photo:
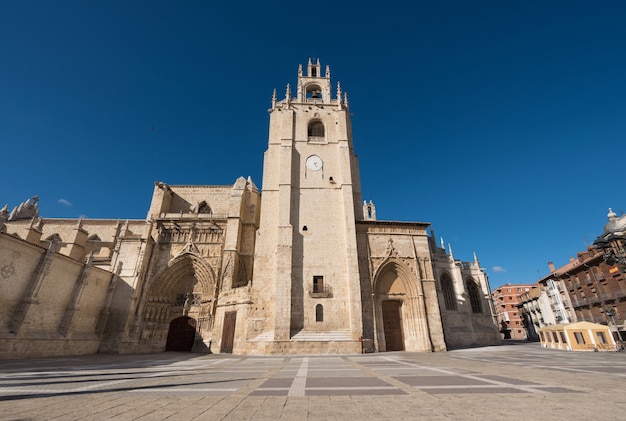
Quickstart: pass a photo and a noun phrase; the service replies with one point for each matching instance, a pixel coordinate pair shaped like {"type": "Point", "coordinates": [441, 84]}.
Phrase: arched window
{"type": "Point", "coordinates": [319, 313]}
{"type": "Point", "coordinates": [316, 130]}
{"type": "Point", "coordinates": [448, 292]}
{"type": "Point", "coordinates": [474, 296]}
{"type": "Point", "coordinates": [203, 207]}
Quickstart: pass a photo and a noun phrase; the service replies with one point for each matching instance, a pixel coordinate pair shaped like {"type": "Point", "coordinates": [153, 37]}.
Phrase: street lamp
{"type": "Point", "coordinates": [610, 317]}
{"type": "Point", "coordinates": [612, 247]}
{"type": "Point", "coordinates": [613, 255]}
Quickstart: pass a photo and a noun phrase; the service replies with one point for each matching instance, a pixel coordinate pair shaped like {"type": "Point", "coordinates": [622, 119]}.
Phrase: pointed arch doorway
{"type": "Point", "coordinates": [176, 310]}
{"type": "Point", "coordinates": [391, 294]}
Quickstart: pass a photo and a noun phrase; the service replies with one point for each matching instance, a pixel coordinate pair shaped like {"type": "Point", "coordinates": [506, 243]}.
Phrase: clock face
{"type": "Point", "coordinates": [314, 163]}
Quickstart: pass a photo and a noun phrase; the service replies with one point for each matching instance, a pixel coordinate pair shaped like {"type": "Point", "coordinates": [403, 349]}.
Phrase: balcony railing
{"type": "Point", "coordinates": [316, 291]}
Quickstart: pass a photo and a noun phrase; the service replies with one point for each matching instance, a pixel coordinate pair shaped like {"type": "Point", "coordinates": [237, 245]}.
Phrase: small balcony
{"type": "Point", "coordinates": [320, 291]}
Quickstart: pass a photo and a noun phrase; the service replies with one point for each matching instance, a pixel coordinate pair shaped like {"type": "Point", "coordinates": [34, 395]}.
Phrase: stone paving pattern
{"type": "Point", "coordinates": [507, 382]}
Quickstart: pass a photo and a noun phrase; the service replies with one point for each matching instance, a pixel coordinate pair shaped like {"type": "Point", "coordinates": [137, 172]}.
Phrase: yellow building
{"type": "Point", "coordinates": [580, 336]}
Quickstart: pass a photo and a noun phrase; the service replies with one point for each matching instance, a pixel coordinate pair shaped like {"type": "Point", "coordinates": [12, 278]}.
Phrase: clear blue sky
{"type": "Point", "coordinates": [503, 123]}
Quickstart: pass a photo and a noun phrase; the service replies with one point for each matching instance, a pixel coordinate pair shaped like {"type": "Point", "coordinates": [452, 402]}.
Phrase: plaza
{"type": "Point", "coordinates": [516, 381]}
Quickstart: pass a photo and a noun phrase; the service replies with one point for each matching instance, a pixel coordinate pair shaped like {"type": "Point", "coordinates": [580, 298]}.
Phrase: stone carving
{"type": "Point", "coordinates": [26, 210]}
{"type": "Point", "coordinates": [7, 271]}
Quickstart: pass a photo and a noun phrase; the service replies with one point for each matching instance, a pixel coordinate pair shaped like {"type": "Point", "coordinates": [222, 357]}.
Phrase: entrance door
{"type": "Point", "coordinates": [181, 335]}
{"type": "Point", "coordinates": [392, 325]}
{"type": "Point", "coordinates": [228, 332]}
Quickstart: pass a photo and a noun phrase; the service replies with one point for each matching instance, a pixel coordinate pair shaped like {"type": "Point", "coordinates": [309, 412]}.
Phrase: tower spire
{"type": "Point", "coordinates": [338, 93]}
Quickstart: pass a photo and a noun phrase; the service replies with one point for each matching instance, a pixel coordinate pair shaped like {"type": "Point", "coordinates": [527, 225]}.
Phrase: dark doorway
{"type": "Point", "coordinates": [181, 335]}
{"type": "Point", "coordinates": [228, 332]}
{"type": "Point", "coordinates": [392, 325]}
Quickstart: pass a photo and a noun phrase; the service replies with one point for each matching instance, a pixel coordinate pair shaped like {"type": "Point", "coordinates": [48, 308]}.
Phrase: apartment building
{"type": "Point", "coordinates": [506, 300]}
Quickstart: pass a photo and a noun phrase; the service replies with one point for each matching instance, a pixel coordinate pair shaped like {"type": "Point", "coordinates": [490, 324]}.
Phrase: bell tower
{"type": "Point", "coordinates": [306, 261]}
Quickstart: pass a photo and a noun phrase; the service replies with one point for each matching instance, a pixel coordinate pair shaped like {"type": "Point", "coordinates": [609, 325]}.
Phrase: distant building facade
{"type": "Point", "coordinates": [304, 267]}
{"type": "Point", "coordinates": [506, 300]}
{"type": "Point", "coordinates": [590, 287]}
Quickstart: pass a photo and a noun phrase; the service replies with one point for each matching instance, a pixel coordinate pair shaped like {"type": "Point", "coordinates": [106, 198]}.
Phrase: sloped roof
{"type": "Point", "coordinates": [573, 326]}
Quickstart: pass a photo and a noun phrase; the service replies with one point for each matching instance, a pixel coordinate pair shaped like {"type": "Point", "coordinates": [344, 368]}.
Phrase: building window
{"type": "Point", "coordinates": [474, 296]}
{"type": "Point", "coordinates": [203, 207]}
{"type": "Point", "coordinates": [601, 337]}
{"type": "Point", "coordinates": [580, 339]}
{"type": "Point", "coordinates": [448, 292]}
{"type": "Point", "coordinates": [319, 313]}
{"type": "Point", "coordinates": [316, 129]}
{"type": "Point", "coordinates": [563, 337]}
{"type": "Point", "coordinates": [318, 284]}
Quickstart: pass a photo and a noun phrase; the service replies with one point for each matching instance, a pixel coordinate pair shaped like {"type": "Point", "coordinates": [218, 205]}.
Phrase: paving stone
{"type": "Point", "coordinates": [482, 383]}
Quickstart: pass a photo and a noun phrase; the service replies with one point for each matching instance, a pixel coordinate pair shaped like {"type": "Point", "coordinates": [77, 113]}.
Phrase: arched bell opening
{"type": "Point", "coordinates": [313, 92]}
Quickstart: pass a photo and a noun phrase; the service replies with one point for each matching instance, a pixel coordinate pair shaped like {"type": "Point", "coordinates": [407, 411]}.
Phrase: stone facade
{"type": "Point", "coordinates": [306, 269]}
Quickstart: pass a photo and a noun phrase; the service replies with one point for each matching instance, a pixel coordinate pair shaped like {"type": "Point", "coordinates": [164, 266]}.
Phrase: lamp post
{"type": "Point", "coordinates": [610, 317]}
{"type": "Point", "coordinates": [614, 255]}
{"type": "Point", "coordinates": [612, 247]}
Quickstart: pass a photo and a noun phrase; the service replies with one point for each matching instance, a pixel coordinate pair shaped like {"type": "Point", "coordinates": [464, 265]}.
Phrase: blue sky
{"type": "Point", "coordinates": [502, 123]}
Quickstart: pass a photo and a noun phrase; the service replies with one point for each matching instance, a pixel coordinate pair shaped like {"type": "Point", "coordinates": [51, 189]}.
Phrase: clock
{"type": "Point", "coordinates": [314, 163]}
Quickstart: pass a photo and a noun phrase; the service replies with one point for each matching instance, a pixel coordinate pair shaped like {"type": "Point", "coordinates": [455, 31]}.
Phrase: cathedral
{"type": "Point", "coordinates": [302, 267]}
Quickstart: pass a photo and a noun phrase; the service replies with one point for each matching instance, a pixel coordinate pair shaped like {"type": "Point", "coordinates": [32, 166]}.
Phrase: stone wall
{"type": "Point", "coordinates": [51, 305]}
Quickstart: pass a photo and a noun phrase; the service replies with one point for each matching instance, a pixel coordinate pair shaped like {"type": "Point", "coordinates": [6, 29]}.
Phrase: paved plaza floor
{"type": "Point", "coordinates": [512, 382]}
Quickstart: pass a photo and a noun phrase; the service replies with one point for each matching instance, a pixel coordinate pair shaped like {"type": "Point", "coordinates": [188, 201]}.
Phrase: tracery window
{"type": "Point", "coordinates": [474, 296]}
{"type": "Point", "coordinates": [448, 292]}
{"type": "Point", "coordinates": [203, 207]}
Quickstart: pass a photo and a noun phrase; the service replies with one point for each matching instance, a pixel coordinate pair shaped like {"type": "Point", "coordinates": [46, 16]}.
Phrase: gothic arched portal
{"type": "Point", "coordinates": [183, 291]}
{"type": "Point", "coordinates": [390, 295]}
{"type": "Point", "coordinates": [400, 316]}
